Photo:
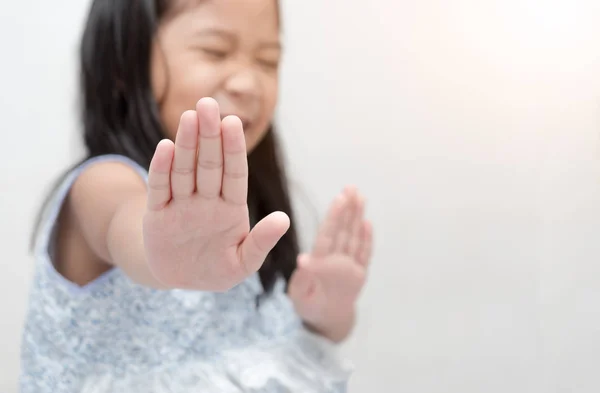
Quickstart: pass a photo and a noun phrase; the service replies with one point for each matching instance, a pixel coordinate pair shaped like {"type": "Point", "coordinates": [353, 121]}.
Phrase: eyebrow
{"type": "Point", "coordinates": [214, 31]}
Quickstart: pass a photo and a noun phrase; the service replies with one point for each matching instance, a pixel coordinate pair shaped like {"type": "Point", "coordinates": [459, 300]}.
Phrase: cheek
{"type": "Point", "coordinates": [271, 95]}
{"type": "Point", "coordinates": [185, 86]}
{"type": "Point", "coordinates": [269, 103]}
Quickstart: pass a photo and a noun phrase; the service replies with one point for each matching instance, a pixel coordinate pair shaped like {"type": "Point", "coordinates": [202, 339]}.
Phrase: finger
{"type": "Point", "coordinates": [301, 282]}
{"type": "Point", "coordinates": [186, 145]}
{"type": "Point", "coordinates": [345, 226]}
{"type": "Point", "coordinates": [356, 227]}
{"type": "Point", "coordinates": [209, 173]}
{"type": "Point", "coordinates": [159, 175]}
{"type": "Point", "coordinates": [364, 253]}
{"type": "Point", "coordinates": [261, 239]}
{"type": "Point", "coordinates": [235, 172]}
{"type": "Point", "coordinates": [325, 240]}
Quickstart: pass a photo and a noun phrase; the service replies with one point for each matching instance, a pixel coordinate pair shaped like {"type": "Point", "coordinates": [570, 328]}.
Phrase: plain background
{"type": "Point", "coordinates": [472, 126]}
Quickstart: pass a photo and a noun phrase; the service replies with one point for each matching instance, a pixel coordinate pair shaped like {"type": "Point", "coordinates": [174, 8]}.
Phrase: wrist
{"type": "Point", "coordinates": [336, 326]}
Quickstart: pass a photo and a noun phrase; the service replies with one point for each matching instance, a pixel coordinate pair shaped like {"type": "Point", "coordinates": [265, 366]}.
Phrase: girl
{"type": "Point", "coordinates": [149, 276]}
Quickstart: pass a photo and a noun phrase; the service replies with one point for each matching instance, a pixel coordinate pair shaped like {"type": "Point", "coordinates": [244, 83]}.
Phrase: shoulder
{"type": "Point", "coordinates": [99, 185]}
{"type": "Point", "coordinates": [89, 191]}
{"type": "Point", "coordinates": [93, 177]}
{"type": "Point", "coordinates": [105, 178]}
{"type": "Point", "coordinates": [109, 171]}
{"type": "Point", "coordinates": [79, 211]}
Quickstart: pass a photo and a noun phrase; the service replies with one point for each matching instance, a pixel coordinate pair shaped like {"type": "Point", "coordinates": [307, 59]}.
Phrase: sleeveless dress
{"type": "Point", "coordinates": [113, 335]}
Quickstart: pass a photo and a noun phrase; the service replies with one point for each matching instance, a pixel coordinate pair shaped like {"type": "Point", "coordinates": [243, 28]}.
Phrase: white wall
{"type": "Point", "coordinates": [473, 126]}
{"type": "Point", "coordinates": [37, 85]}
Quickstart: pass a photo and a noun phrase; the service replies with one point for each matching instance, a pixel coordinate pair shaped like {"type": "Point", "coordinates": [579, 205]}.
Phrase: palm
{"type": "Point", "coordinates": [196, 229]}
{"type": "Point", "coordinates": [335, 285]}
{"type": "Point", "coordinates": [329, 280]}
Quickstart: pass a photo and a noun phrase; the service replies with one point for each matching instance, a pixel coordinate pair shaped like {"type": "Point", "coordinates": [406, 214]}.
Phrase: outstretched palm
{"type": "Point", "coordinates": [327, 282]}
{"type": "Point", "coordinates": [196, 228]}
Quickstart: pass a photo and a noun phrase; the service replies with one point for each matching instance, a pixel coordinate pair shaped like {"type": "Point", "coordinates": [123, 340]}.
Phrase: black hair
{"type": "Point", "coordinates": [121, 116]}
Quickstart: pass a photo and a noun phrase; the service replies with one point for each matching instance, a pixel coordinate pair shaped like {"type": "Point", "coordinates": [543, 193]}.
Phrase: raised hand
{"type": "Point", "coordinates": [196, 227]}
{"type": "Point", "coordinates": [327, 282]}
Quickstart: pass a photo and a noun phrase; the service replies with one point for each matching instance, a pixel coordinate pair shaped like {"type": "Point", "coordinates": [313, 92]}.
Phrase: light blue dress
{"type": "Point", "coordinates": [113, 335]}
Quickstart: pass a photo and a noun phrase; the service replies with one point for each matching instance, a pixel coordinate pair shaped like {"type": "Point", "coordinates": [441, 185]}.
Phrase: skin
{"type": "Point", "coordinates": [228, 50]}
{"type": "Point", "coordinates": [188, 227]}
{"type": "Point", "coordinates": [326, 284]}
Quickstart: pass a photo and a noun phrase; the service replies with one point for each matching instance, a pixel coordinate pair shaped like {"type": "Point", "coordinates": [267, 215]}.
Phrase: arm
{"type": "Point", "coordinates": [109, 201]}
{"type": "Point", "coordinates": [189, 228]}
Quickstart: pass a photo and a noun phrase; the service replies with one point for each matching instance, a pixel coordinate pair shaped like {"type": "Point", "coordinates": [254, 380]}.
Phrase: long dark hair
{"type": "Point", "coordinates": [121, 116]}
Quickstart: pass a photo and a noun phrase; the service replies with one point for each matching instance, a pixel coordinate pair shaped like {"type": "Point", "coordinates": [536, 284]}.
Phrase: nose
{"type": "Point", "coordinates": [243, 84]}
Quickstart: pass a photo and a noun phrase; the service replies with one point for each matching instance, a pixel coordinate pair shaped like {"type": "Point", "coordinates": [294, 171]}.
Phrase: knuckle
{"type": "Point", "coordinates": [186, 147]}
{"type": "Point", "coordinates": [210, 164]}
{"type": "Point", "coordinates": [204, 194]}
{"type": "Point", "coordinates": [158, 186]}
{"type": "Point", "coordinates": [182, 171]}
{"type": "Point", "coordinates": [237, 174]}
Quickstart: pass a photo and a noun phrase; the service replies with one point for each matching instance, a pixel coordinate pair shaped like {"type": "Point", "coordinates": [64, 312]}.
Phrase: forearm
{"type": "Point", "coordinates": [337, 328]}
{"type": "Point", "coordinates": [125, 243]}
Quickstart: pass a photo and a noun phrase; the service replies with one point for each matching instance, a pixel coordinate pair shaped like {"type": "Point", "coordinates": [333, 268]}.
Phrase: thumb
{"type": "Point", "coordinates": [261, 240]}
{"type": "Point", "coordinates": [301, 283]}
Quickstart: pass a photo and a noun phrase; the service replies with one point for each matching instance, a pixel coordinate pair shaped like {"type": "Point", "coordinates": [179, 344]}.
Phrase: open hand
{"type": "Point", "coordinates": [327, 282]}
{"type": "Point", "coordinates": [196, 228]}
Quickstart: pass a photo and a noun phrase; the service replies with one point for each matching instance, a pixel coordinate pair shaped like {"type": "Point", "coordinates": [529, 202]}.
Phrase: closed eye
{"type": "Point", "coordinates": [216, 54]}
{"type": "Point", "coordinates": [269, 64]}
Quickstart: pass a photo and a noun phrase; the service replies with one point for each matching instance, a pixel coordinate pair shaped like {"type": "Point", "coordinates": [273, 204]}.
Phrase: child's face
{"type": "Point", "coordinates": [225, 49]}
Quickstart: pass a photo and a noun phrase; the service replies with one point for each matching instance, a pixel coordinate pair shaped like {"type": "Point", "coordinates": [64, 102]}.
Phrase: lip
{"type": "Point", "coordinates": [246, 122]}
